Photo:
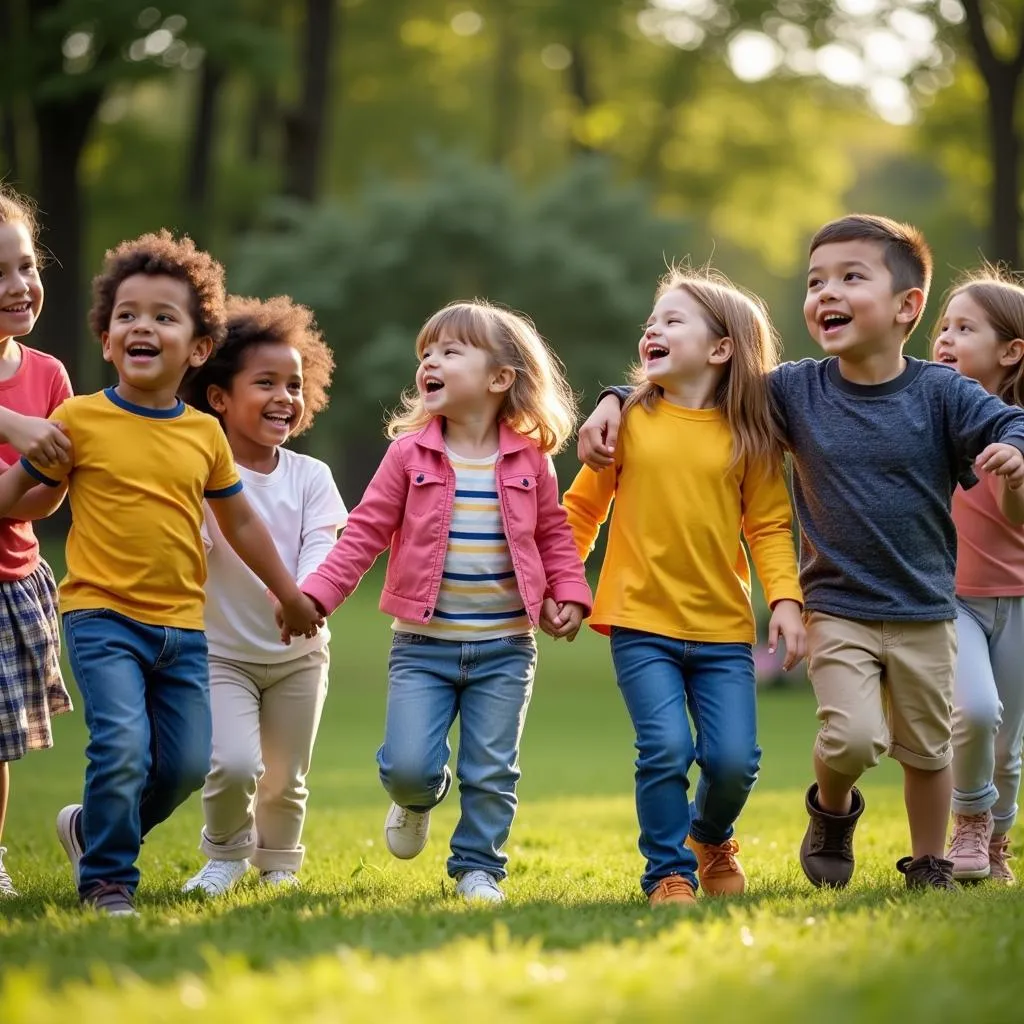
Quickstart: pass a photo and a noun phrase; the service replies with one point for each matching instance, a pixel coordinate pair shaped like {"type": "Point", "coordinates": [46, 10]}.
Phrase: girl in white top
{"type": "Point", "coordinates": [265, 384]}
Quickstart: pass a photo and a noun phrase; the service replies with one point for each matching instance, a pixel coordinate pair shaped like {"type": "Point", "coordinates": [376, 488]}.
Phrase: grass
{"type": "Point", "coordinates": [370, 938]}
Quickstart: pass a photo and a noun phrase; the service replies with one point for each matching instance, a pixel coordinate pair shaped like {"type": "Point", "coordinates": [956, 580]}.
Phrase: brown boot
{"type": "Point", "coordinates": [998, 857]}
{"type": "Point", "coordinates": [719, 871]}
{"type": "Point", "coordinates": [673, 891]}
{"type": "Point", "coordinates": [826, 853]}
{"type": "Point", "coordinates": [927, 873]}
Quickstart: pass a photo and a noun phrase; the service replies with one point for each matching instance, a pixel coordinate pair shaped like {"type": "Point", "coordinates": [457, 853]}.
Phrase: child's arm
{"type": "Point", "coordinates": [15, 483]}
{"type": "Point", "coordinates": [1011, 501]}
{"type": "Point", "coordinates": [323, 515]}
{"type": "Point", "coordinates": [39, 502]}
{"type": "Point", "coordinates": [39, 440]}
{"type": "Point", "coordinates": [368, 532]}
{"type": "Point", "coordinates": [248, 535]}
{"type": "Point", "coordinates": [595, 444]}
{"type": "Point", "coordinates": [983, 423]}
{"type": "Point", "coordinates": [768, 529]}
{"type": "Point", "coordinates": [587, 503]}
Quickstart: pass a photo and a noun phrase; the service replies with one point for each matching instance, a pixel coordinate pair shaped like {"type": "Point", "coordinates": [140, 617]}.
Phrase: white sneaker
{"type": "Point", "coordinates": [405, 831]}
{"type": "Point", "coordinates": [284, 879]}
{"type": "Point", "coordinates": [216, 877]}
{"type": "Point", "coordinates": [6, 885]}
{"type": "Point", "coordinates": [479, 885]}
{"type": "Point", "coordinates": [67, 833]}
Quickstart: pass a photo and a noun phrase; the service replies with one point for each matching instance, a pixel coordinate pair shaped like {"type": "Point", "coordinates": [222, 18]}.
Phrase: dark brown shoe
{"type": "Point", "coordinates": [927, 873]}
{"type": "Point", "coordinates": [826, 854]}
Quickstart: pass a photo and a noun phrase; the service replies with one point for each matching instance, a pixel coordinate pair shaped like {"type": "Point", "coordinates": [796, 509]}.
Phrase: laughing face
{"type": "Point", "coordinates": [454, 378]}
{"type": "Point", "coordinates": [968, 342]}
{"type": "Point", "coordinates": [677, 342]}
{"type": "Point", "coordinates": [21, 291]}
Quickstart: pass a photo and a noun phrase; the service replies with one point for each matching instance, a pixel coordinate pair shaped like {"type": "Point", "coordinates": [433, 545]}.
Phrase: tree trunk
{"type": "Point", "coordinates": [1004, 144]}
{"type": "Point", "coordinates": [9, 141]}
{"type": "Point", "coordinates": [579, 85]}
{"type": "Point", "coordinates": [200, 158]}
{"type": "Point", "coordinates": [305, 127]}
{"type": "Point", "coordinates": [62, 127]}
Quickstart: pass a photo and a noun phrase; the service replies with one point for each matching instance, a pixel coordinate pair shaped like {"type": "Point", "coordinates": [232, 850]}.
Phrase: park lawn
{"type": "Point", "coordinates": [369, 938]}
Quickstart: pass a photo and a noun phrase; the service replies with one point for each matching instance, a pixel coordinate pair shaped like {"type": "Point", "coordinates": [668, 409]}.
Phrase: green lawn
{"type": "Point", "coordinates": [369, 938]}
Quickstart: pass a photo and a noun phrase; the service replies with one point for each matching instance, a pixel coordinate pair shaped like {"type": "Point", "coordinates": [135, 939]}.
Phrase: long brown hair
{"type": "Point", "coordinates": [743, 396]}
{"type": "Point", "coordinates": [539, 404]}
{"type": "Point", "coordinates": [1001, 297]}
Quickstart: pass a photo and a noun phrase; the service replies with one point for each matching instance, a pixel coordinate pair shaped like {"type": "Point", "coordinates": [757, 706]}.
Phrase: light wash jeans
{"type": "Point", "coordinates": [488, 685]}
{"type": "Point", "coordinates": [147, 706]}
{"type": "Point", "coordinates": [659, 677]}
{"type": "Point", "coordinates": [988, 713]}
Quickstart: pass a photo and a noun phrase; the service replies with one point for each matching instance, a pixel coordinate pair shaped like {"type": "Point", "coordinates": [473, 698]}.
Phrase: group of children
{"type": "Point", "coordinates": [204, 558]}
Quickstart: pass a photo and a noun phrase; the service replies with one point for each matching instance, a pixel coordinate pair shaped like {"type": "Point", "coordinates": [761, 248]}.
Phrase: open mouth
{"type": "Point", "coordinates": [655, 352]}
{"type": "Point", "coordinates": [19, 307]}
{"type": "Point", "coordinates": [946, 357]}
{"type": "Point", "coordinates": [279, 419]}
{"type": "Point", "coordinates": [142, 350]}
{"type": "Point", "coordinates": [832, 322]}
{"type": "Point", "coordinates": [432, 385]}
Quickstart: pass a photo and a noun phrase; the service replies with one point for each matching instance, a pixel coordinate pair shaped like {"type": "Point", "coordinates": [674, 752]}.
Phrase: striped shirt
{"type": "Point", "coordinates": [479, 598]}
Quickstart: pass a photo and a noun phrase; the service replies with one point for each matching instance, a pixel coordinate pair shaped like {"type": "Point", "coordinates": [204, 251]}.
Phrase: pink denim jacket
{"type": "Point", "coordinates": [407, 507]}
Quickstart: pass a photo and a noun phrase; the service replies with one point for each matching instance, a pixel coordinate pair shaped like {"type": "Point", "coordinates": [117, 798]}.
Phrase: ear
{"type": "Point", "coordinates": [722, 352]}
{"type": "Point", "coordinates": [1012, 353]}
{"type": "Point", "coordinates": [217, 399]}
{"type": "Point", "coordinates": [105, 343]}
{"type": "Point", "coordinates": [502, 380]}
{"type": "Point", "coordinates": [911, 305]}
{"type": "Point", "coordinates": [201, 352]}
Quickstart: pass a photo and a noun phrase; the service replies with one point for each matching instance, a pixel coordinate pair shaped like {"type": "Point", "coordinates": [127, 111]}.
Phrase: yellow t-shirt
{"type": "Point", "coordinates": [675, 564]}
{"type": "Point", "coordinates": [136, 486]}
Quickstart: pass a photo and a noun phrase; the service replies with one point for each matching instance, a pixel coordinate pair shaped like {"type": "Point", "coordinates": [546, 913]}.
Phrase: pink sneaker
{"type": "Point", "coordinates": [968, 847]}
{"type": "Point", "coordinates": [998, 856]}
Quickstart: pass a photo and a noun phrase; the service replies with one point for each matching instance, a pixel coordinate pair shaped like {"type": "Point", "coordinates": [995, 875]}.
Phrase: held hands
{"type": "Point", "coordinates": [558, 620]}
{"type": "Point", "coordinates": [1003, 460]}
{"type": "Point", "coordinates": [787, 622]}
{"type": "Point", "coordinates": [39, 440]}
{"type": "Point", "coordinates": [595, 444]}
{"type": "Point", "coordinates": [299, 617]}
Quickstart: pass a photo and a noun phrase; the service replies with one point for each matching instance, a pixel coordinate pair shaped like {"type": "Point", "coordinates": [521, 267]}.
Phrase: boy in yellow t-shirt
{"type": "Point", "coordinates": [132, 600]}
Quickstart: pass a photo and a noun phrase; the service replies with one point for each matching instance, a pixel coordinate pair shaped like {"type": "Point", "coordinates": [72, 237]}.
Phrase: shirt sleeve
{"type": "Point", "coordinates": [620, 391]}
{"type": "Point", "coordinates": [223, 480]}
{"type": "Point", "coordinates": [322, 504]}
{"type": "Point", "coordinates": [53, 476]}
{"type": "Point", "coordinates": [60, 388]}
{"type": "Point", "coordinates": [587, 503]}
{"type": "Point", "coordinates": [768, 529]}
{"type": "Point", "coordinates": [978, 419]}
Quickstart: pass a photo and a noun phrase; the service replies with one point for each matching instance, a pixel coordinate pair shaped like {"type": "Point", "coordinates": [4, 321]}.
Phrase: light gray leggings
{"type": "Point", "coordinates": [988, 713]}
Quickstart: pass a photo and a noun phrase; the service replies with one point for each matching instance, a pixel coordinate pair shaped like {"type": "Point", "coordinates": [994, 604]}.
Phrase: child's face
{"type": "Point", "coordinates": [968, 341]}
{"type": "Point", "coordinates": [264, 403]}
{"type": "Point", "coordinates": [850, 308]}
{"type": "Point", "coordinates": [676, 344]}
{"type": "Point", "coordinates": [151, 339]}
{"type": "Point", "coordinates": [21, 290]}
{"type": "Point", "coordinates": [455, 378]}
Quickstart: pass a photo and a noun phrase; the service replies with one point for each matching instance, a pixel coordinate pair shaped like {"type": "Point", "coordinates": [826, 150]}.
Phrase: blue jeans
{"type": "Point", "coordinates": [488, 683]}
{"type": "Point", "coordinates": [146, 693]}
{"type": "Point", "coordinates": [659, 678]}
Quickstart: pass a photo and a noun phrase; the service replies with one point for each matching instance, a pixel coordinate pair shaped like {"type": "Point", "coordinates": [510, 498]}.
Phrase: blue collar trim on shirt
{"type": "Point", "coordinates": [141, 410]}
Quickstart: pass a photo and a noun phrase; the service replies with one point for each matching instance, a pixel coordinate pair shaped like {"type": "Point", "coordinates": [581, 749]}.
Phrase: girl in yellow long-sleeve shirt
{"type": "Point", "coordinates": [698, 468]}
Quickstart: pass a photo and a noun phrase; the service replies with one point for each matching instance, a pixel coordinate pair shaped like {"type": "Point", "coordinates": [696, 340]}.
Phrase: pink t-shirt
{"type": "Point", "coordinates": [38, 386]}
{"type": "Point", "coordinates": [990, 549]}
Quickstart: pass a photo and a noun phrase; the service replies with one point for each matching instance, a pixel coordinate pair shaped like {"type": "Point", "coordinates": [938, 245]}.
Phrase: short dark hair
{"type": "Point", "coordinates": [907, 255]}
{"type": "Point", "coordinates": [18, 209]}
{"type": "Point", "coordinates": [163, 254]}
{"type": "Point", "coordinates": [276, 321]}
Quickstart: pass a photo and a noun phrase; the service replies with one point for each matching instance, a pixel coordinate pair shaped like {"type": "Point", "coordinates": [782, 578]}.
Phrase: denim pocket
{"type": "Point", "coordinates": [81, 614]}
{"type": "Point", "coordinates": [406, 639]}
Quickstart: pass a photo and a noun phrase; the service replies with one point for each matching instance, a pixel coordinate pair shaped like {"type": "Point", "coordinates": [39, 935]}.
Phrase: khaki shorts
{"type": "Point", "coordinates": [882, 687]}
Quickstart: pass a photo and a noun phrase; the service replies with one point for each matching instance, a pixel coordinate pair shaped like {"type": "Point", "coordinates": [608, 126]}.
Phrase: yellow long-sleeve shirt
{"type": "Point", "coordinates": [675, 564]}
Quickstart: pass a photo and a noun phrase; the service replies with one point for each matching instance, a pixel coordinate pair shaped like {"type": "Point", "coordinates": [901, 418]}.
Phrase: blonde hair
{"type": "Point", "coordinates": [1001, 297]}
{"type": "Point", "coordinates": [743, 395]}
{"type": "Point", "coordinates": [539, 405]}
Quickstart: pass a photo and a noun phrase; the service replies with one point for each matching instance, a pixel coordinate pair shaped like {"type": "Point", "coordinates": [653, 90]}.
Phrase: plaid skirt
{"type": "Point", "coordinates": [31, 686]}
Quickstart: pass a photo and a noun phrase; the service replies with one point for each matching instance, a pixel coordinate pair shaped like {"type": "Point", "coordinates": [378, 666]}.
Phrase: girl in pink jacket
{"type": "Point", "coordinates": [481, 553]}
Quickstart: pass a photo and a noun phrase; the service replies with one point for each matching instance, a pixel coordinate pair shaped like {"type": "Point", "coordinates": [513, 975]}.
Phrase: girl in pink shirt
{"type": "Point", "coordinates": [480, 554]}
{"type": "Point", "coordinates": [981, 335]}
{"type": "Point", "coordinates": [32, 385]}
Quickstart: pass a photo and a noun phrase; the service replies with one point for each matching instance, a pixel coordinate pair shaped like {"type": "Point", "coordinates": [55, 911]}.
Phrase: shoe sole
{"type": "Point", "coordinates": [976, 875]}
{"type": "Point", "coordinates": [68, 839]}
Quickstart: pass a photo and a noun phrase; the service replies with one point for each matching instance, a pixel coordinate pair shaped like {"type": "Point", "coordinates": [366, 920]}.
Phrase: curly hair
{"type": "Point", "coordinates": [163, 254]}
{"type": "Point", "coordinates": [18, 209]}
{"type": "Point", "coordinates": [276, 321]}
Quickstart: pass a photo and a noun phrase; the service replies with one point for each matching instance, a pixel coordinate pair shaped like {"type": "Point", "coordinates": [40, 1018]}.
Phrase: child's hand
{"type": "Point", "coordinates": [558, 620]}
{"type": "Point", "coordinates": [788, 622]}
{"type": "Point", "coordinates": [39, 440]}
{"type": "Point", "coordinates": [1003, 460]}
{"type": "Point", "coordinates": [595, 444]}
{"type": "Point", "coordinates": [299, 617]}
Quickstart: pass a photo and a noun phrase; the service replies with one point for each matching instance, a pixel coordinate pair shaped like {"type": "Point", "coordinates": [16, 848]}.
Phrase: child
{"type": "Point", "coordinates": [32, 385]}
{"type": "Point", "coordinates": [132, 600]}
{"type": "Point", "coordinates": [980, 335]}
{"type": "Point", "coordinates": [879, 441]}
{"type": "Point", "coordinates": [675, 585]}
{"type": "Point", "coordinates": [467, 500]}
{"type": "Point", "coordinates": [265, 384]}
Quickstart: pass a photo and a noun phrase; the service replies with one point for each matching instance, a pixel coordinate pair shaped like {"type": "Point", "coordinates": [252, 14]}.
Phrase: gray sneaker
{"type": "Point", "coordinates": [69, 832]}
{"type": "Point", "coordinates": [111, 899]}
{"type": "Point", "coordinates": [6, 885]}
